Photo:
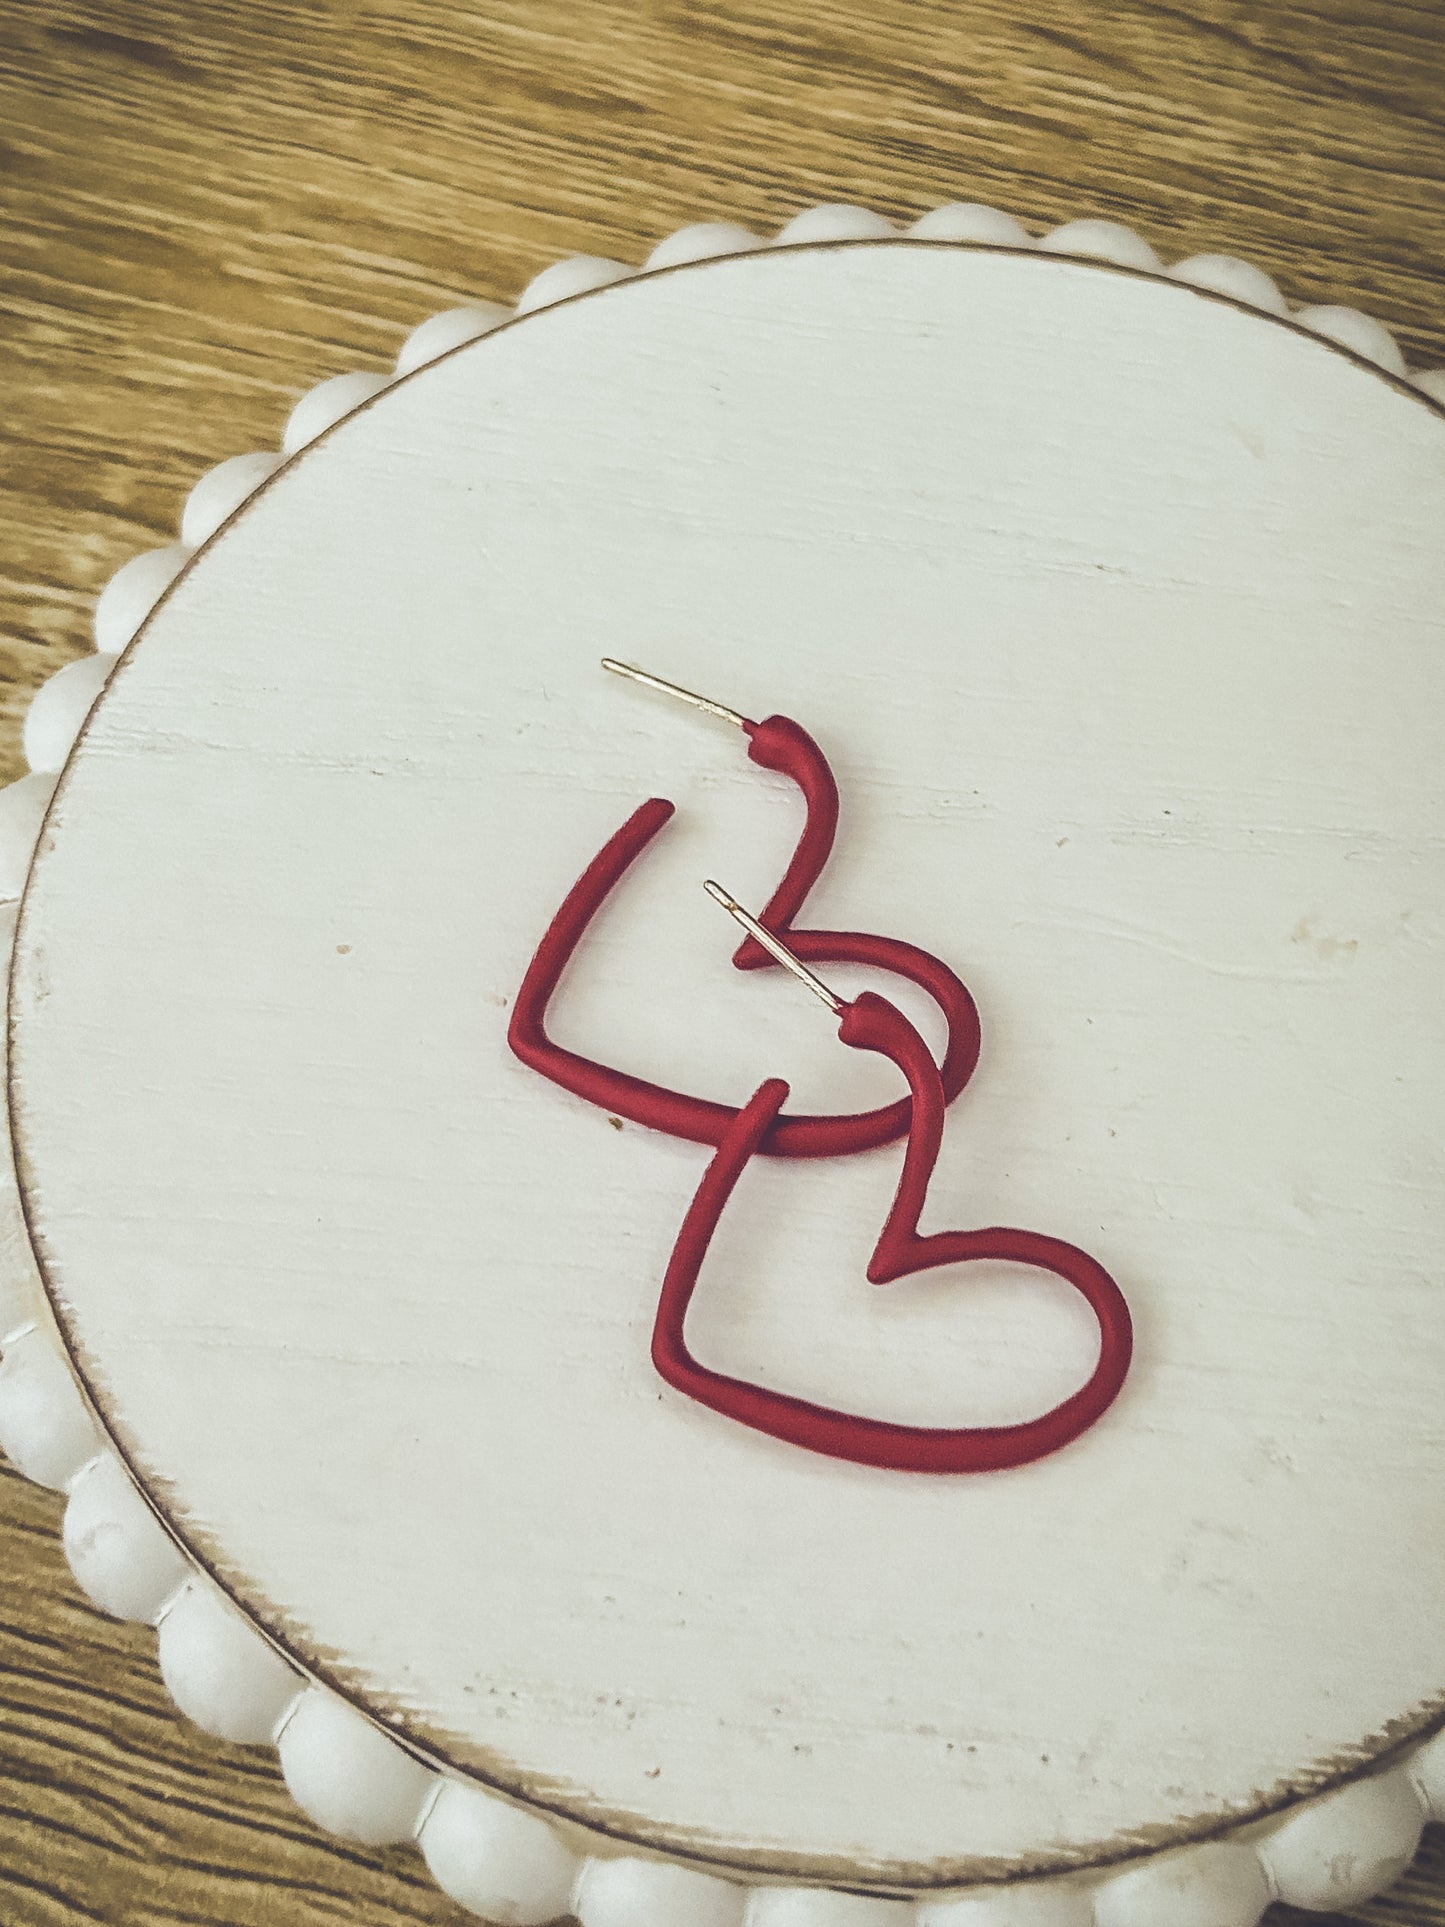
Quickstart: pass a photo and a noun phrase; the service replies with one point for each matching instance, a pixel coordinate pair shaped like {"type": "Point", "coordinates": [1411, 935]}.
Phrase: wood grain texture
{"type": "Point", "coordinates": [206, 209]}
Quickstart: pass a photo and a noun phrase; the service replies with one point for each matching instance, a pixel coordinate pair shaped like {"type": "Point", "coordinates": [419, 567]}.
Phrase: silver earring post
{"type": "Point", "coordinates": [666, 688]}
{"type": "Point", "coordinates": [776, 948]}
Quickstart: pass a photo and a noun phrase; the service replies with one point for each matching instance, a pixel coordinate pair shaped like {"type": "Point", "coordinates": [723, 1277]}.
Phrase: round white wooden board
{"type": "Point", "coordinates": [1121, 612]}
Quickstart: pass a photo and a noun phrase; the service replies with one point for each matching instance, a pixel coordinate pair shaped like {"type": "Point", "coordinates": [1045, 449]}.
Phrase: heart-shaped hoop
{"type": "Point", "coordinates": [871, 1023]}
{"type": "Point", "coordinates": [702, 1120]}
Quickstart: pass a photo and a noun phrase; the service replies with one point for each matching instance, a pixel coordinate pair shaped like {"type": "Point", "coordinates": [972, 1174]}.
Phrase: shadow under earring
{"type": "Point", "coordinates": [871, 1023]}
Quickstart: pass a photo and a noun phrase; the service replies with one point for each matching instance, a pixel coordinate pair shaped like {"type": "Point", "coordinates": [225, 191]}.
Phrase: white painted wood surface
{"type": "Point", "coordinates": [1119, 611]}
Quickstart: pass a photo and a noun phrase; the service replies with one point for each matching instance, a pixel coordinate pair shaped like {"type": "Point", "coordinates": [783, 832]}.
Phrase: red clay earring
{"type": "Point", "coordinates": [871, 1023]}
{"type": "Point", "coordinates": [780, 744]}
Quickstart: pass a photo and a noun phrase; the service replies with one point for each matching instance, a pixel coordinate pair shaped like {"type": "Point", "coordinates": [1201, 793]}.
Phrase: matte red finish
{"type": "Point", "coordinates": [777, 744]}
{"type": "Point", "coordinates": [872, 1023]}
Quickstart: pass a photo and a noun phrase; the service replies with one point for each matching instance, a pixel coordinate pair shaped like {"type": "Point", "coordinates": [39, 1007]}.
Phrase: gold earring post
{"type": "Point", "coordinates": [775, 948]}
{"type": "Point", "coordinates": [665, 688]}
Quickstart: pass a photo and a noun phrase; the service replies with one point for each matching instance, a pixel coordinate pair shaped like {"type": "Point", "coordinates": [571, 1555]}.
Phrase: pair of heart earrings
{"type": "Point", "coordinates": [761, 1126]}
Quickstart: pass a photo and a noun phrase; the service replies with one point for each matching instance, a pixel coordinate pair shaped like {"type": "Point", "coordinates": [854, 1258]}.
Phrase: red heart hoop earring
{"type": "Point", "coordinates": [776, 743]}
{"type": "Point", "coordinates": [871, 1023]}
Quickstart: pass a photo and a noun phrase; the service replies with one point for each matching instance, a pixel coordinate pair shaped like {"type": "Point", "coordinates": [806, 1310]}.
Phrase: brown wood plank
{"type": "Point", "coordinates": [207, 207]}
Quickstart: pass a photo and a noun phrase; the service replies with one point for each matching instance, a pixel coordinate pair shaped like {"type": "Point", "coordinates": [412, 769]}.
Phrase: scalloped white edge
{"type": "Point", "coordinates": [499, 1860]}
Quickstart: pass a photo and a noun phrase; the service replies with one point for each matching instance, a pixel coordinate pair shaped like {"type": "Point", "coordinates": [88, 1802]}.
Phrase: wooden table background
{"type": "Point", "coordinates": [208, 205]}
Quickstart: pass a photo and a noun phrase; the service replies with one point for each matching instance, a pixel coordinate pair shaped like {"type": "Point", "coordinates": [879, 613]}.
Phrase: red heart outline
{"type": "Point", "coordinates": [872, 1023]}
